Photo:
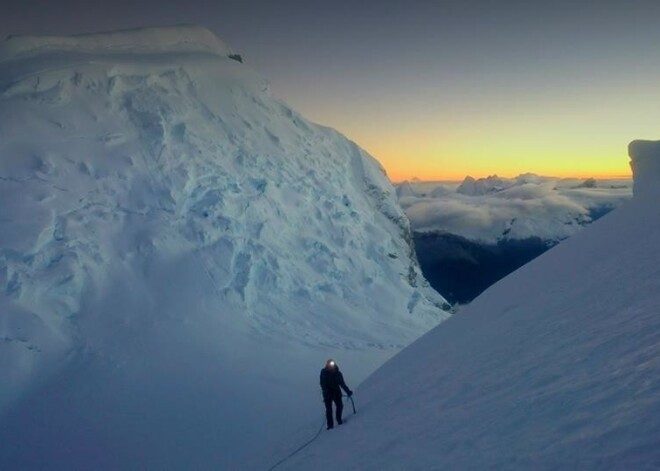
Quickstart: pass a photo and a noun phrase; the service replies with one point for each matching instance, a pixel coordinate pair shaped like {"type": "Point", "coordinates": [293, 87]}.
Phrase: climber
{"type": "Point", "coordinates": [331, 382]}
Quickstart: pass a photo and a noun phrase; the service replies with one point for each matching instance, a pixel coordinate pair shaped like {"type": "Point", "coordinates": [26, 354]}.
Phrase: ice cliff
{"type": "Point", "coordinates": [167, 229]}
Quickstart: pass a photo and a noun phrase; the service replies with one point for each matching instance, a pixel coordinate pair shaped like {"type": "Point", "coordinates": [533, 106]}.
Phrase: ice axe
{"type": "Point", "coordinates": [352, 404]}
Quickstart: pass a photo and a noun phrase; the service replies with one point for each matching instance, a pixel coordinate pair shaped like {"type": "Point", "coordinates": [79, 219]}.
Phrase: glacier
{"type": "Point", "coordinates": [179, 253]}
{"type": "Point", "coordinates": [557, 366]}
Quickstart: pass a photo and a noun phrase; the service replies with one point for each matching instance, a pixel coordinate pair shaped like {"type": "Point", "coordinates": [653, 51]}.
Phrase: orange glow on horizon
{"type": "Point", "coordinates": [452, 157]}
{"type": "Point", "coordinates": [443, 178]}
{"type": "Point", "coordinates": [573, 134]}
{"type": "Point", "coordinates": [398, 173]}
{"type": "Point", "coordinates": [436, 168]}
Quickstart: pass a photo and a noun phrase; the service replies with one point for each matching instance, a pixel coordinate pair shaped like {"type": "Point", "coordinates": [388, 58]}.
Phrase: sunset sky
{"type": "Point", "coordinates": [433, 89]}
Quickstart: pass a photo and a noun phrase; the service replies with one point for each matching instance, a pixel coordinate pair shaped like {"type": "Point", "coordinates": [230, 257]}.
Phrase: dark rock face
{"type": "Point", "coordinates": [461, 269]}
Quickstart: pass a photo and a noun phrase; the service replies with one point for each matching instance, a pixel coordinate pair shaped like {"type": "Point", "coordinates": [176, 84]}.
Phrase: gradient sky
{"type": "Point", "coordinates": [433, 89]}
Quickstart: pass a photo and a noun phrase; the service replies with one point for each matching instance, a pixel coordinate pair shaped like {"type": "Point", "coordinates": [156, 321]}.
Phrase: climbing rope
{"type": "Point", "coordinates": [300, 448]}
{"type": "Point", "coordinates": [297, 450]}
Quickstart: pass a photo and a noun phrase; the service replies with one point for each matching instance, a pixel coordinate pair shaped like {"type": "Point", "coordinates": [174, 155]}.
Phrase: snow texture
{"type": "Point", "coordinates": [555, 367]}
{"type": "Point", "coordinates": [494, 209]}
{"type": "Point", "coordinates": [179, 254]}
{"type": "Point", "coordinates": [645, 166]}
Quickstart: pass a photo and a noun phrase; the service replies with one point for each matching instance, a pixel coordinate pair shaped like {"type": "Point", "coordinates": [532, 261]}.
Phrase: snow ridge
{"type": "Point", "coordinates": [645, 163]}
{"type": "Point", "coordinates": [183, 38]}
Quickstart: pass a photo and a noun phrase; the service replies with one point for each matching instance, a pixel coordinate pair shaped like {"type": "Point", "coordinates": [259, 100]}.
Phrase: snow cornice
{"type": "Point", "coordinates": [645, 164]}
{"type": "Point", "coordinates": [182, 38]}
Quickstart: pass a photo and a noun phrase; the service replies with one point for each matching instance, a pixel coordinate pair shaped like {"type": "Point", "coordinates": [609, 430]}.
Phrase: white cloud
{"type": "Point", "coordinates": [495, 208]}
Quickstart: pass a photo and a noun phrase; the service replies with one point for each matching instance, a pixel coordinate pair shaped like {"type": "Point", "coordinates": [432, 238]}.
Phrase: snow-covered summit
{"type": "Point", "coordinates": [163, 40]}
{"type": "Point", "coordinates": [179, 251]}
{"type": "Point", "coordinates": [494, 184]}
{"type": "Point", "coordinates": [482, 186]}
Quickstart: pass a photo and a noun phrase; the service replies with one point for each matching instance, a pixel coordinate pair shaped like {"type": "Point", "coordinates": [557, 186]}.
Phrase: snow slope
{"type": "Point", "coordinates": [555, 367]}
{"type": "Point", "coordinates": [179, 254]}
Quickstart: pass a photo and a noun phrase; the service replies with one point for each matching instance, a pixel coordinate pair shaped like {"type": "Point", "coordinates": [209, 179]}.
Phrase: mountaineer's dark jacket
{"type": "Point", "coordinates": [331, 381]}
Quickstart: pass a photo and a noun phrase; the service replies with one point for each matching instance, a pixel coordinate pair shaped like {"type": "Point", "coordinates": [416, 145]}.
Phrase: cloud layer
{"type": "Point", "coordinates": [494, 208]}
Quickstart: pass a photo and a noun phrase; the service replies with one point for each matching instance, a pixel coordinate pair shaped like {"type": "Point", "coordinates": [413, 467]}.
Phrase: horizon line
{"type": "Point", "coordinates": [459, 180]}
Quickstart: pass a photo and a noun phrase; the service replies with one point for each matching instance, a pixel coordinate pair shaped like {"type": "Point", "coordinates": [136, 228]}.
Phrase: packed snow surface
{"type": "Point", "coordinates": [179, 254]}
{"type": "Point", "coordinates": [555, 367]}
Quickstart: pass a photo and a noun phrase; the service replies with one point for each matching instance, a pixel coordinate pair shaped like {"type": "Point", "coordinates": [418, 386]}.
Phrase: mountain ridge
{"type": "Point", "coordinates": [169, 228]}
{"type": "Point", "coordinates": [162, 39]}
